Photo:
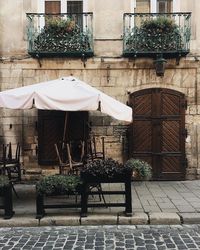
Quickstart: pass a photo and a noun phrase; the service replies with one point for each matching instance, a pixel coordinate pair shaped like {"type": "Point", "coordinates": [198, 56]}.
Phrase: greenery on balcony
{"type": "Point", "coordinates": [154, 34]}
{"type": "Point", "coordinates": [62, 35]}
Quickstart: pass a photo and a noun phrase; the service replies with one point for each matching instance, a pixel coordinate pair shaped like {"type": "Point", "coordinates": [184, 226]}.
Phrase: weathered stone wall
{"type": "Point", "coordinates": [115, 77]}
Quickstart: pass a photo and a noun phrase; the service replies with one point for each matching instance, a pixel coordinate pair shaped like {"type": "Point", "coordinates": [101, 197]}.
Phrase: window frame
{"type": "Point", "coordinates": [175, 5]}
{"type": "Point", "coordinates": [63, 4]}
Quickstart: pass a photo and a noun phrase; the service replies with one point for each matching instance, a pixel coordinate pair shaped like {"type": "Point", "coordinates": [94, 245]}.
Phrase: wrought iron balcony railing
{"type": "Point", "coordinates": [60, 34]}
{"type": "Point", "coordinates": [155, 34]}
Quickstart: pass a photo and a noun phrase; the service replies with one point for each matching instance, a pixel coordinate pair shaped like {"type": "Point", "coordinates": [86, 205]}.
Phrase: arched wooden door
{"type": "Point", "coordinates": [157, 134]}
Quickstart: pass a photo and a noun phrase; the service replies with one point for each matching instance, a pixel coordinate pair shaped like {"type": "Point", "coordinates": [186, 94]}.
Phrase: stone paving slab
{"type": "Point", "coordinates": [103, 219]}
{"type": "Point", "coordinates": [135, 219]}
{"type": "Point", "coordinates": [190, 218]}
{"type": "Point", "coordinates": [19, 221]}
{"type": "Point", "coordinates": [60, 220]}
{"type": "Point", "coordinates": [164, 218]}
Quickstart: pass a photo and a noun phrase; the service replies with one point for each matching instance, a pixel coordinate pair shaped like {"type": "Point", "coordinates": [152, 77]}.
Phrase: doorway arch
{"type": "Point", "coordinates": [157, 134]}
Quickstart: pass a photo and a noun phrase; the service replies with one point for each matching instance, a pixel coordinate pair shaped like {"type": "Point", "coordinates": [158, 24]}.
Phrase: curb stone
{"type": "Point", "coordinates": [158, 218]}
{"type": "Point", "coordinates": [190, 218]}
{"type": "Point", "coordinates": [22, 221]}
{"type": "Point", "coordinates": [135, 219]}
{"type": "Point", "coordinates": [99, 220]}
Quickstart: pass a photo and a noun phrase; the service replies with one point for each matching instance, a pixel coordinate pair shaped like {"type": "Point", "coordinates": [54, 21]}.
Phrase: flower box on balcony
{"type": "Point", "coordinates": [156, 34]}
{"type": "Point", "coordinates": [60, 35]}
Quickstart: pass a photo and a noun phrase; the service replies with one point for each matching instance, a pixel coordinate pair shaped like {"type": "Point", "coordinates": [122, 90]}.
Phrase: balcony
{"type": "Point", "coordinates": [156, 35]}
{"type": "Point", "coordinates": [60, 35]}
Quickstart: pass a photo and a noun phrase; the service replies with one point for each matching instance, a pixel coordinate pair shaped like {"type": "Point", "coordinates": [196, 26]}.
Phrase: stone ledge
{"type": "Point", "coordinates": [164, 218]}
{"type": "Point", "coordinates": [190, 218]}
{"type": "Point", "coordinates": [103, 219]}
{"type": "Point", "coordinates": [135, 219]}
{"type": "Point", "coordinates": [22, 221]}
{"type": "Point", "coordinates": [60, 220]}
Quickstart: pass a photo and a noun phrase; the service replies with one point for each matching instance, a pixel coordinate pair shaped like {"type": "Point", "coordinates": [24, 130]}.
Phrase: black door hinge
{"type": "Point", "coordinates": [185, 162]}
{"type": "Point", "coordinates": [185, 133]}
{"type": "Point", "coordinates": [184, 104]}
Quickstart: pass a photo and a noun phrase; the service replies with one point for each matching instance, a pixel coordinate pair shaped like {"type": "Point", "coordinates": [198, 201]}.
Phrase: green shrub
{"type": "Point", "coordinates": [140, 168]}
{"type": "Point", "coordinates": [59, 35]}
{"type": "Point", "coordinates": [158, 34]}
{"type": "Point", "coordinates": [159, 25]}
{"type": "Point", "coordinates": [107, 168]}
{"type": "Point", "coordinates": [58, 184]}
{"type": "Point", "coordinates": [4, 181]}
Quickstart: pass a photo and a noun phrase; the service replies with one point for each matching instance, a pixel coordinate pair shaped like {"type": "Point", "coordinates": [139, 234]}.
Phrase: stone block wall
{"type": "Point", "coordinates": [114, 76]}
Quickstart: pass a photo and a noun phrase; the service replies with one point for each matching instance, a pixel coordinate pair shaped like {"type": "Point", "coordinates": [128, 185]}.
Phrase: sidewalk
{"type": "Point", "coordinates": [174, 202]}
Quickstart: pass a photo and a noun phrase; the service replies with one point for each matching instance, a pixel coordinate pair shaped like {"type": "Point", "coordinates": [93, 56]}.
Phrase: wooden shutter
{"type": "Point", "coordinates": [52, 7]}
{"type": "Point", "coordinates": [164, 6]}
{"type": "Point", "coordinates": [142, 6]}
{"type": "Point", "coordinates": [74, 6]}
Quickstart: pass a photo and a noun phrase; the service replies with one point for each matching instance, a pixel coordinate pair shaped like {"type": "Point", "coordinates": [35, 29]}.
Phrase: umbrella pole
{"type": "Point", "coordinates": [65, 126]}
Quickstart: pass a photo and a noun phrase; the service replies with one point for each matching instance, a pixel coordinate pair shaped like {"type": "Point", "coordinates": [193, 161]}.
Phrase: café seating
{"type": "Point", "coordinates": [10, 164]}
{"type": "Point", "coordinates": [67, 165]}
{"type": "Point", "coordinates": [93, 153]}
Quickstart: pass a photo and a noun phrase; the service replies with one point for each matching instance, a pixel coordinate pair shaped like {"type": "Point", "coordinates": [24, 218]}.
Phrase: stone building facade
{"type": "Point", "coordinates": [107, 70]}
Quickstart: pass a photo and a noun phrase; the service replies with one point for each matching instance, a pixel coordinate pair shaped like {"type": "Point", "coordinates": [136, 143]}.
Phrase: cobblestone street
{"type": "Point", "coordinates": [101, 237]}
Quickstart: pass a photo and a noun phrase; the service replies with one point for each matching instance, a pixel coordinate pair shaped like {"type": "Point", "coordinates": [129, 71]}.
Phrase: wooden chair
{"type": "Point", "coordinates": [66, 163]}
{"type": "Point", "coordinates": [11, 164]}
{"type": "Point", "coordinates": [63, 163]}
{"type": "Point", "coordinates": [76, 166]}
{"type": "Point", "coordinates": [93, 154]}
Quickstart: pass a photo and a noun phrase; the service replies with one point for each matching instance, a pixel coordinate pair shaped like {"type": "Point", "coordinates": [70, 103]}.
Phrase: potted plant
{"type": "Point", "coordinates": [4, 181]}
{"type": "Point", "coordinates": [6, 193]}
{"type": "Point", "coordinates": [61, 35]}
{"type": "Point", "coordinates": [104, 170]}
{"type": "Point", "coordinates": [141, 169]}
{"type": "Point", "coordinates": [58, 185]}
{"type": "Point", "coordinates": [155, 35]}
{"type": "Point", "coordinates": [54, 185]}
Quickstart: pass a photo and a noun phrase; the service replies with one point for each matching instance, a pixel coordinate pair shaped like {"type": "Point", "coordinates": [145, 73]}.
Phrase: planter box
{"type": "Point", "coordinates": [41, 205]}
{"type": "Point", "coordinates": [6, 194]}
{"type": "Point", "coordinates": [105, 179]}
{"type": "Point", "coordinates": [89, 180]}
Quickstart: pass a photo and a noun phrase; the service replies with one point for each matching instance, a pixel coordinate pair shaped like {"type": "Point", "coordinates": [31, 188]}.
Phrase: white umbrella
{"type": "Point", "coordinates": [67, 94]}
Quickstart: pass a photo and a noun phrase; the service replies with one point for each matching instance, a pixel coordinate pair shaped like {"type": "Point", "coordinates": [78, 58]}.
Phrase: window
{"type": "Point", "coordinates": [74, 6]}
{"type": "Point", "coordinates": [164, 6]}
{"type": "Point", "coordinates": [142, 6]}
{"type": "Point", "coordinates": [53, 7]}
{"type": "Point", "coordinates": [68, 6]}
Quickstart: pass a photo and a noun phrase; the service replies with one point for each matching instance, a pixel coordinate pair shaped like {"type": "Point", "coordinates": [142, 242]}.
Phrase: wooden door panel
{"type": "Point", "coordinates": [170, 104]}
{"type": "Point", "coordinates": [172, 168]}
{"type": "Point", "coordinates": [158, 131]}
{"type": "Point", "coordinates": [142, 136]}
{"type": "Point", "coordinates": [171, 136]}
{"type": "Point", "coordinates": [142, 105]}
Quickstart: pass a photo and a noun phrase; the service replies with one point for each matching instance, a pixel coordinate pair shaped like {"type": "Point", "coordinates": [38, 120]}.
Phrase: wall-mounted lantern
{"type": "Point", "coordinates": [160, 66]}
